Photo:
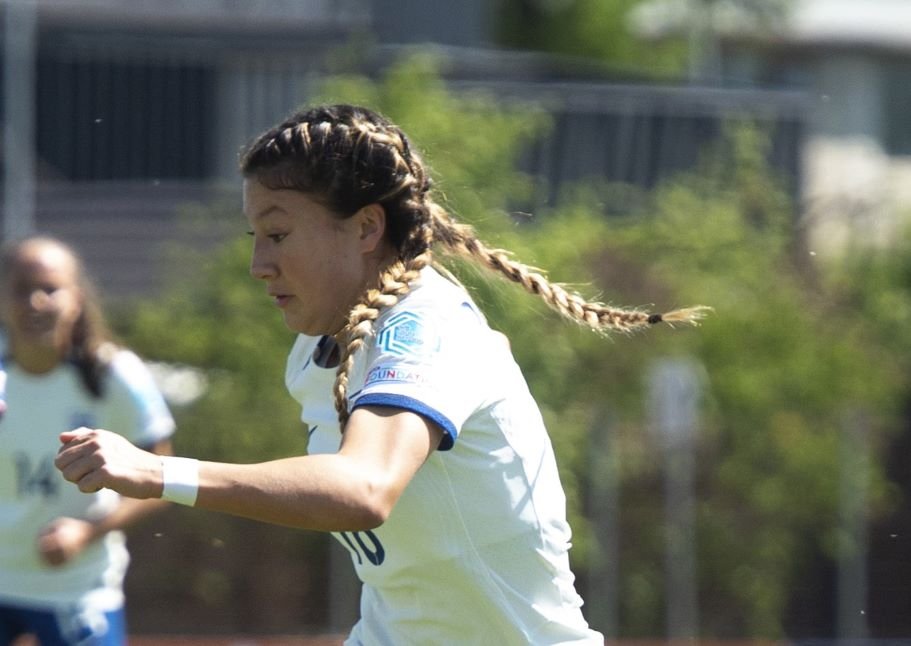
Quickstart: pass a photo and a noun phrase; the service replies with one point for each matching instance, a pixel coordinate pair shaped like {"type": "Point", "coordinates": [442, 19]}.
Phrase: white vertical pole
{"type": "Point", "coordinates": [20, 29]}
{"type": "Point", "coordinates": [602, 598]}
{"type": "Point", "coordinates": [704, 54]}
{"type": "Point", "coordinates": [674, 393]}
{"type": "Point", "coordinates": [852, 549]}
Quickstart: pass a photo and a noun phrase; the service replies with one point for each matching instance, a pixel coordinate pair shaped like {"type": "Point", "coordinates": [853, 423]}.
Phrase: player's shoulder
{"type": "Point", "coordinates": [435, 297]}
{"type": "Point", "coordinates": [436, 316]}
{"type": "Point", "coordinates": [127, 370]}
{"type": "Point", "coordinates": [122, 361]}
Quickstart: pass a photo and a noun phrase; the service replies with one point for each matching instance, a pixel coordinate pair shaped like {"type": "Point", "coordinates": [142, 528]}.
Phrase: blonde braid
{"type": "Point", "coordinates": [395, 282]}
{"type": "Point", "coordinates": [461, 239]}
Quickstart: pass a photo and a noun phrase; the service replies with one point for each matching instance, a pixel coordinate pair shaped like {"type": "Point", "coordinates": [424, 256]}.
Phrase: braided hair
{"type": "Point", "coordinates": [348, 157]}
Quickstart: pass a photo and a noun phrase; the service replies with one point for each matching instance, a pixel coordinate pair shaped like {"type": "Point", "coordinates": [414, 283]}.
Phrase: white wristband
{"type": "Point", "coordinates": [181, 479]}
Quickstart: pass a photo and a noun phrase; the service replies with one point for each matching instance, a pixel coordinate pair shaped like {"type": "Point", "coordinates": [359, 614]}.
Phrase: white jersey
{"type": "Point", "coordinates": [476, 549]}
{"type": "Point", "coordinates": [34, 493]}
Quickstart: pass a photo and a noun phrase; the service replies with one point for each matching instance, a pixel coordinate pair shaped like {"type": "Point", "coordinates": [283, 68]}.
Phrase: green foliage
{"type": "Point", "coordinates": [474, 140]}
{"type": "Point", "coordinates": [600, 32]}
{"type": "Point", "coordinates": [786, 357]}
{"type": "Point", "coordinates": [587, 29]}
{"type": "Point", "coordinates": [875, 283]}
{"type": "Point", "coordinates": [785, 369]}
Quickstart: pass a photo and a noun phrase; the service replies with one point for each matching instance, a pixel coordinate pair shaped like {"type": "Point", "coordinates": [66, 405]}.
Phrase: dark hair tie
{"type": "Point", "coordinates": [654, 318]}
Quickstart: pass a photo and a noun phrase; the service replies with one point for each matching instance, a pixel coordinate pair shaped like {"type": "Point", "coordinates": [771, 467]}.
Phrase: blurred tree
{"type": "Point", "coordinates": [784, 366]}
{"type": "Point", "coordinates": [588, 29]}
{"type": "Point", "coordinates": [876, 283]}
{"type": "Point", "coordinates": [637, 38]}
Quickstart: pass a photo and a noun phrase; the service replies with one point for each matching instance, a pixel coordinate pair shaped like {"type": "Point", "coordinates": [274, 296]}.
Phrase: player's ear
{"type": "Point", "coordinates": [371, 226]}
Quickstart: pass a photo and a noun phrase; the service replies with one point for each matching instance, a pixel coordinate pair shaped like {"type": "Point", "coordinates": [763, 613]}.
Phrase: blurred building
{"type": "Point", "coordinates": [140, 108]}
{"type": "Point", "coordinates": [853, 59]}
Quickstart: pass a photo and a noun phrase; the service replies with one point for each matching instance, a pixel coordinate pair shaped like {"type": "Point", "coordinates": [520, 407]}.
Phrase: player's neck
{"type": "Point", "coordinates": [36, 359]}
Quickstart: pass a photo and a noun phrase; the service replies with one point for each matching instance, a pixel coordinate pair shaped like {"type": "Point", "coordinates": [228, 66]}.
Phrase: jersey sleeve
{"type": "Point", "coordinates": [423, 361]}
{"type": "Point", "coordinates": [135, 406]}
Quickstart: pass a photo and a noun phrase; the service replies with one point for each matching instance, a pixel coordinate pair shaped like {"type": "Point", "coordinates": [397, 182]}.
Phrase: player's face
{"type": "Point", "coordinates": [42, 300]}
{"type": "Point", "coordinates": [313, 263]}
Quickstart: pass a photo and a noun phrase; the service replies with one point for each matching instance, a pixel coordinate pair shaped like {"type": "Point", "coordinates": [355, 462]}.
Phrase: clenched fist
{"type": "Point", "coordinates": [94, 459]}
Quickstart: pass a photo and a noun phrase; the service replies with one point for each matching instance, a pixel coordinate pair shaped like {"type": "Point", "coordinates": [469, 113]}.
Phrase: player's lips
{"type": "Point", "coordinates": [37, 323]}
{"type": "Point", "coordinates": [280, 300]}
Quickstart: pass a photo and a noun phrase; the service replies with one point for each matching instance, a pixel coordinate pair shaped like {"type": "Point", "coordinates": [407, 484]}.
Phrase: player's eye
{"type": "Point", "coordinates": [24, 292]}
{"type": "Point", "coordinates": [274, 237]}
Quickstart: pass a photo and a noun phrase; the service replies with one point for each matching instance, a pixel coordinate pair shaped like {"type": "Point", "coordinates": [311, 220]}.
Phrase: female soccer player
{"type": "Point", "coordinates": [62, 556]}
{"type": "Point", "coordinates": [428, 458]}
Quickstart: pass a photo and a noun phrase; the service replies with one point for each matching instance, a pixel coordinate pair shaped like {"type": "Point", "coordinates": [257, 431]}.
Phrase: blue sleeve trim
{"type": "Point", "coordinates": [450, 432]}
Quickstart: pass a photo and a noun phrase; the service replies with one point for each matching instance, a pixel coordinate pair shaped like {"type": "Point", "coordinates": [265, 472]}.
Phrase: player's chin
{"type": "Point", "coordinates": [300, 324]}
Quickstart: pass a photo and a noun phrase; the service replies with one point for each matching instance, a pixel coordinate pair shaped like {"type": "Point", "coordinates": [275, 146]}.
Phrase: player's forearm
{"type": "Point", "coordinates": [320, 492]}
{"type": "Point", "coordinates": [354, 489]}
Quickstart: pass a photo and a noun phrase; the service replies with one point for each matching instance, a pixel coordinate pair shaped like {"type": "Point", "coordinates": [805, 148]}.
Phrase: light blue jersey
{"type": "Point", "coordinates": [33, 492]}
{"type": "Point", "coordinates": [476, 548]}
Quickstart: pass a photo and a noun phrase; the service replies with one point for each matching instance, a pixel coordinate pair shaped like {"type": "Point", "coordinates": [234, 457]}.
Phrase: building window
{"type": "Point", "coordinates": [896, 108]}
{"type": "Point", "coordinates": [108, 119]}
